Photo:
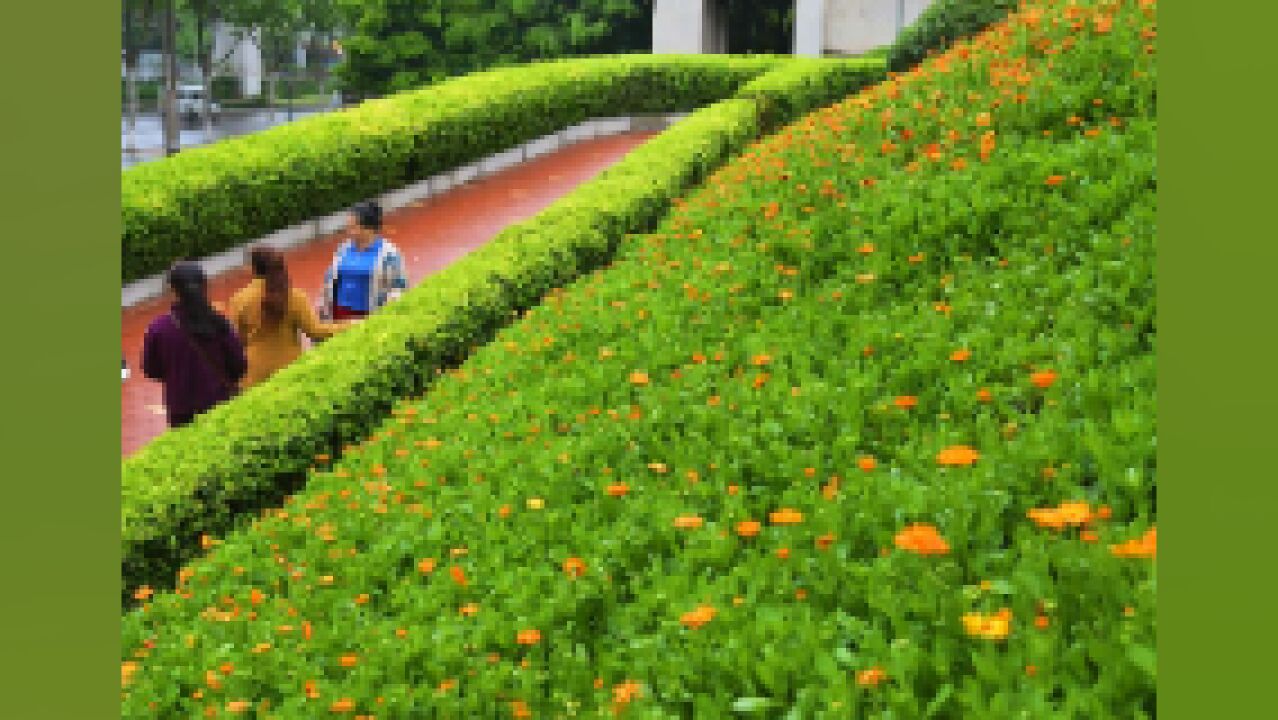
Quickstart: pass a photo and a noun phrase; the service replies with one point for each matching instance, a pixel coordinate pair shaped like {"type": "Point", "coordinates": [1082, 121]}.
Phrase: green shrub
{"type": "Point", "coordinates": [941, 24]}
{"type": "Point", "coordinates": [208, 199]}
{"type": "Point", "coordinates": [246, 453]}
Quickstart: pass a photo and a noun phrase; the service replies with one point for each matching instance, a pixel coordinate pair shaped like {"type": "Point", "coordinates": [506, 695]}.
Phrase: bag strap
{"type": "Point", "coordinates": [208, 363]}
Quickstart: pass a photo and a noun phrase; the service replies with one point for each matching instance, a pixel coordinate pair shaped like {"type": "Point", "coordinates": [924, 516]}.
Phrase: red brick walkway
{"type": "Point", "coordinates": [432, 234]}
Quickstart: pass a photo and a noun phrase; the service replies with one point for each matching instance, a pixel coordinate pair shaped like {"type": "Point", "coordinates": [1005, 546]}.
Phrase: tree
{"type": "Point", "coordinates": [399, 44]}
{"type": "Point", "coordinates": [205, 14]}
{"type": "Point", "coordinates": [137, 20]}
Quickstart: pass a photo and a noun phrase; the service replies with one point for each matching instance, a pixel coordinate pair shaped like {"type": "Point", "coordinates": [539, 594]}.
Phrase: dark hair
{"type": "Point", "coordinates": [368, 214]}
{"type": "Point", "coordinates": [193, 308]}
{"type": "Point", "coordinates": [268, 264]}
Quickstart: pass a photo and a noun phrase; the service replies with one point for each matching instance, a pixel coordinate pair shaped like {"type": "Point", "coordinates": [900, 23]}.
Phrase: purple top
{"type": "Point", "coordinates": [190, 385]}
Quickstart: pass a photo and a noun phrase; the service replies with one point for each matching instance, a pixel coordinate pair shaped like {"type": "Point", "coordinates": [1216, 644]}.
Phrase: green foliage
{"type": "Point", "coordinates": [243, 455]}
{"type": "Point", "coordinates": [396, 46]}
{"type": "Point", "coordinates": [734, 362]}
{"type": "Point", "coordinates": [942, 24]}
{"type": "Point", "coordinates": [208, 199]}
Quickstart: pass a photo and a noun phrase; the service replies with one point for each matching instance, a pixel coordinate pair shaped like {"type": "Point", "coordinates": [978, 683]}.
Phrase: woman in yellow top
{"type": "Point", "coordinates": [270, 317]}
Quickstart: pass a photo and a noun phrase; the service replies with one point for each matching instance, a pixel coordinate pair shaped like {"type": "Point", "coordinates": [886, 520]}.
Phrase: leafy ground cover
{"type": "Point", "coordinates": [246, 454]}
{"type": "Point", "coordinates": [866, 428]}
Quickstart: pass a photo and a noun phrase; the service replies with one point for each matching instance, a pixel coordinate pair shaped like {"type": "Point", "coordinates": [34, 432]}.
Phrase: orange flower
{"type": "Point", "coordinates": [520, 710]}
{"type": "Point", "coordinates": [688, 522]}
{"type": "Point", "coordinates": [343, 705]}
{"type": "Point", "coordinates": [760, 380]}
{"type": "Point", "coordinates": [961, 355]}
{"type": "Point", "coordinates": [916, 258]}
{"type": "Point", "coordinates": [983, 119]}
{"type": "Point", "coordinates": [639, 378]}
{"type": "Point", "coordinates": [823, 542]}
{"type": "Point", "coordinates": [311, 690]}
{"type": "Point", "coordinates": [866, 248]}
{"type": "Point", "coordinates": [734, 489]}
{"type": "Point", "coordinates": [469, 610]}
{"type": "Point", "coordinates": [922, 539]}
{"type": "Point", "coordinates": [694, 619]}
{"type": "Point", "coordinates": [783, 553]}
{"type": "Point", "coordinates": [618, 489]}
{"type": "Point", "coordinates": [957, 455]}
{"type": "Point", "coordinates": [988, 627]}
{"type": "Point", "coordinates": [238, 706]}
{"type": "Point", "coordinates": [1053, 180]}
{"type": "Point", "coordinates": [984, 395]}
{"type": "Point", "coordinates": [870, 677]}
{"type": "Point", "coordinates": [1043, 379]}
{"type": "Point", "coordinates": [626, 691]}
{"type": "Point", "coordinates": [906, 402]}
{"type": "Point", "coordinates": [1041, 622]}
{"type": "Point", "coordinates": [503, 511]}
{"type": "Point", "coordinates": [770, 210]}
{"type": "Point", "coordinates": [1146, 546]}
{"type": "Point", "coordinates": [348, 660]}
{"type": "Point", "coordinates": [458, 575]}
{"type": "Point", "coordinates": [867, 463]}
{"type": "Point", "coordinates": [761, 360]}
{"type": "Point", "coordinates": [1066, 514]}
{"type": "Point", "coordinates": [528, 637]}
{"type": "Point", "coordinates": [128, 669]}
{"type": "Point", "coordinates": [786, 516]}
{"type": "Point", "coordinates": [143, 593]}
{"type": "Point", "coordinates": [574, 567]}
{"type": "Point", "coordinates": [748, 528]}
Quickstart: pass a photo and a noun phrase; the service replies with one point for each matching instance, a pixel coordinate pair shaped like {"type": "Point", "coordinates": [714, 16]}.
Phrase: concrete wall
{"type": "Point", "coordinates": [855, 26]}
{"type": "Point", "coordinates": [848, 27]}
{"type": "Point", "coordinates": [678, 26]}
{"type": "Point", "coordinates": [809, 19]}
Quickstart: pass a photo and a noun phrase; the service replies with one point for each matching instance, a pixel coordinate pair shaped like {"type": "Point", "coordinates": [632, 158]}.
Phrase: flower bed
{"type": "Point", "coordinates": [865, 427]}
{"type": "Point", "coordinates": [245, 454]}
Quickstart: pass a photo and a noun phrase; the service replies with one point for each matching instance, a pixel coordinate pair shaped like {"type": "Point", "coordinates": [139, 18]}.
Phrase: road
{"type": "Point", "coordinates": [431, 234]}
{"type": "Point", "coordinates": [149, 131]}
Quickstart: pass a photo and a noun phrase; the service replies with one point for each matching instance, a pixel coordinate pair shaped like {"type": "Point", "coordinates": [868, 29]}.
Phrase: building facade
{"type": "Point", "coordinates": [821, 27]}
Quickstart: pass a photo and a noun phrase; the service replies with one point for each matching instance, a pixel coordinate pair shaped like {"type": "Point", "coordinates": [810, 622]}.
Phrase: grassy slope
{"type": "Point", "coordinates": [550, 412]}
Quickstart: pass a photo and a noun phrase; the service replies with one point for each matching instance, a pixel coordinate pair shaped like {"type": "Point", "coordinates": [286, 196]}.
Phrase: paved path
{"type": "Point", "coordinates": [432, 234]}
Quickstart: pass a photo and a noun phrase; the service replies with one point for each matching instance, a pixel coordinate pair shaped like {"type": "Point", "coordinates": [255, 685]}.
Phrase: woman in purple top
{"type": "Point", "coordinates": [192, 349]}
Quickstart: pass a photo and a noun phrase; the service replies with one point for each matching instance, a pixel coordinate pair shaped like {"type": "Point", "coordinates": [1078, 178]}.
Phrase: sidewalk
{"type": "Point", "coordinates": [432, 234]}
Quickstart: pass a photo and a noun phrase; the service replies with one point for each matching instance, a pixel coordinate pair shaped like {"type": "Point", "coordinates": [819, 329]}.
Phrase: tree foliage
{"type": "Point", "coordinates": [397, 44]}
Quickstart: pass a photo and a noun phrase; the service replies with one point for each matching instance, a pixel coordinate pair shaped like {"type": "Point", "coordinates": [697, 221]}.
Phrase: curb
{"type": "Point", "coordinates": [302, 233]}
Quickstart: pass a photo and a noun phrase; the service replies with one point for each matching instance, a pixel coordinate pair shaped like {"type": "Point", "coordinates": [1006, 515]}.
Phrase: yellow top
{"type": "Point", "coordinates": [272, 348]}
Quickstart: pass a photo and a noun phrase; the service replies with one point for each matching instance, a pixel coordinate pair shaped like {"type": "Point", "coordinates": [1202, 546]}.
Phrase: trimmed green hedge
{"type": "Point", "coordinates": [247, 453]}
{"type": "Point", "coordinates": [209, 199]}
{"type": "Point", "coordinates": [944, 22]}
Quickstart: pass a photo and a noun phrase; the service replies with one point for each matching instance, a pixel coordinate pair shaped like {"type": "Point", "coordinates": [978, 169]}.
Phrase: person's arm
{"type": "Point", "coordinates": [152, 365]}
{"type": "Point", "coordinates": [396, 280]}
{"type": "Point", "coordinates": [330, 276]}
{"type": "Point", "coordinates": [237, 315]}
{"type": "Point", "coordinates": [309, 322]}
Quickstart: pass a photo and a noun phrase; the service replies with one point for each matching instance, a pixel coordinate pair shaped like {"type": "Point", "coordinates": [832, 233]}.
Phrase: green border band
{"type": "Point", "coordinates": [61, 470]}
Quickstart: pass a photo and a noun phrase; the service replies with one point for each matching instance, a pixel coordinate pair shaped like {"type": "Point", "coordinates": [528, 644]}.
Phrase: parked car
{"type": "Point", "coordinates": [190, 101]}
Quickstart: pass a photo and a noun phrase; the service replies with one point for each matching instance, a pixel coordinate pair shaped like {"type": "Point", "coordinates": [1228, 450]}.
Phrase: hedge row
{"type": "Point", "coordinates": [247, 453]}
{"type": "Point", "coordinates": [211, 198]}
{"type": "Point", "coordinates": [942, 24]}
{"type": "Point", "coordinates": [687, 486]}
